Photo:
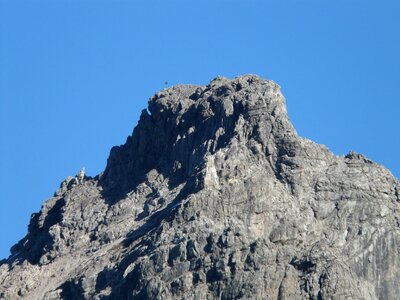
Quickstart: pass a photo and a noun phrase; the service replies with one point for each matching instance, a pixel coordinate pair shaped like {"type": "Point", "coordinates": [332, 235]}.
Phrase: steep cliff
{"type": "Point", "coordinates": [215, 196]}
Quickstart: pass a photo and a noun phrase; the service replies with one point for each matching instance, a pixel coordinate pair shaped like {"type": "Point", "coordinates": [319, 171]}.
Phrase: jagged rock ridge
{"type": "Point", "coordinates": [215, 196]}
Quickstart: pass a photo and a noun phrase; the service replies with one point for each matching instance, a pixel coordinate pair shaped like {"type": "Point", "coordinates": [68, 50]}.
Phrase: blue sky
{"type": "Point", "coordinates": [74, 76]}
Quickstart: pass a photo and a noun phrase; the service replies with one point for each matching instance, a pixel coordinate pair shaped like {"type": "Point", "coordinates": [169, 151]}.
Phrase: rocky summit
{"type": "Point", "coordinates": [215, 196]}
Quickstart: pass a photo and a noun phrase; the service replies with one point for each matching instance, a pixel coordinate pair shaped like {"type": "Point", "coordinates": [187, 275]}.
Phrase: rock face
{"type": "Point", "coordinates": [215, 196]}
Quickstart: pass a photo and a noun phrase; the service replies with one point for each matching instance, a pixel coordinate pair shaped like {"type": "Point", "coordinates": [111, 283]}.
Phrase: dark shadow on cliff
{"type": "Point", "coordinates": [114, 277]}
{"type": "Point", "coordinates": [71, 290]}
{"type": "Point", "coordinates": [168, 145]}
{"type": "Point", "coordinates": [38, 240]}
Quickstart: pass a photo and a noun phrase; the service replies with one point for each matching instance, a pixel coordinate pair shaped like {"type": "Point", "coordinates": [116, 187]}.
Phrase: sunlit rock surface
{"type": "Point", "coordinates": [215, 196]}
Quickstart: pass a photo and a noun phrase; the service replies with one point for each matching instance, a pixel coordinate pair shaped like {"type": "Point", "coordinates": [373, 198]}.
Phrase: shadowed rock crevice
{"type": "Point", "coordinates": [71, 290]}
{"type": "Point", "coordinates": [39, 240]}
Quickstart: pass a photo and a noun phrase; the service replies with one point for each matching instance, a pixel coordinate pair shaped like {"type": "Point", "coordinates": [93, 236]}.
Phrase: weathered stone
{"type": "Point", "coordinates": [215, 196]}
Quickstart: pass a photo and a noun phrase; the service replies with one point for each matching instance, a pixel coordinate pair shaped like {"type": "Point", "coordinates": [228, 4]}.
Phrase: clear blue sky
{"type": "Point", "coordinates": [74, 76]}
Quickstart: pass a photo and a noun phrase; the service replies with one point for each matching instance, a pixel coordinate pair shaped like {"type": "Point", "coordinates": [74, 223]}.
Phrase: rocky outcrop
{"type": "Point", "coordinates": [215, 196]}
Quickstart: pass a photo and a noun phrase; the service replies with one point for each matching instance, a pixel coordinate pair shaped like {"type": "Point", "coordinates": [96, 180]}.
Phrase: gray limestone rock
{"type": "Point", "coordinates": [215, 196]}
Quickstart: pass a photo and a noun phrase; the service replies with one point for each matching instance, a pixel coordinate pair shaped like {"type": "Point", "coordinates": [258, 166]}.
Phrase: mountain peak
{"type": "Point", "coordinates": [215, 196]}
{"type": "Point", "coordinates": [186, 122]}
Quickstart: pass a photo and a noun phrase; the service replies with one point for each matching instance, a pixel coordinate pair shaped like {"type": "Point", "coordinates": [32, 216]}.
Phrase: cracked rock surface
{"type": "Point", "coordinates": [215, 196]}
